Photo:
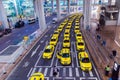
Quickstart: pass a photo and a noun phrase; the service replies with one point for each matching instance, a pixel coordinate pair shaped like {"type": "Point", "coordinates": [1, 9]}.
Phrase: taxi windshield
{"type": "Point", "coordinates": [80, 44]}
{"type": "Point", "coordinates": [65, 55]}
{"type": "Point", "coordinates": [47, 50]}
{"type": "Point", "coordinates": [79, 35]}
{"type": "Point", "coordinates": [53, 39]}
{"type": "Point", "coordinates": [85, 60]}
{"type": "Point", "coordinates": [66, 41]}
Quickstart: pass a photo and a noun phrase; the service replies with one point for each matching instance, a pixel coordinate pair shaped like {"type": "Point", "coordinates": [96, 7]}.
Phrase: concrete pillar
{"type": "Point", "coordinates": [3, 16]}
{"type": "Point", "coordinates": [16, 9]}
{"type": "Point", "coordinates": [68, 6]}
{"type": "Point", "coordinates": [87, 13]}
{"type": "Point", "coordinates": [52, 5]}
{"type": "Point", "coordinates": [35, 8]}
{"type": "Point", "coordinates": [118, 21]}
{"type": "Point", "coordinates": [41, 16]}
{"type": "Point", "coordinates": [58, 9]}
{"type": "Point", "coordinates": [109, 2]}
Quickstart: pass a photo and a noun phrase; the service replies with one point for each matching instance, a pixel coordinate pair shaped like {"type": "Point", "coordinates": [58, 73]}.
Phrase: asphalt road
{"type": "Point", "coordinates": [35, 63]}
{"type": "Point", "coordinates": [17, 34]}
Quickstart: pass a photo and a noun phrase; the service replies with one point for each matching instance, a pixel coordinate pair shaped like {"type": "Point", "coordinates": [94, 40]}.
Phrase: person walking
{"type": "Point", "coordinates": [107, 70]}
{"type": "Point", "coordinates": [55, 71]}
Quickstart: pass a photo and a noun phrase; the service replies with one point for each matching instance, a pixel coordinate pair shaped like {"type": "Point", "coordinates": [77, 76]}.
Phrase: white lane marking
{"type": "Point", "coordinates": [8, 41]}
{"type": "Point", "coordinates": [26, 64]}
{"type": "Point", "coordinates": [29, 72]}
{"type": "Point", "coordinates": [51, 72]}
{"type": "Point", "coordinates": [46, 35]}
{"type": "Point", "coordinates": [91, 74]}
{"type": "Point", "coordinates": [96, 72]}
{"type": "Point", "coordinates": [70, 72]}
{"type": "Point", "coordinates": [61, 78]}
{"type": "Point", "coordinates": [76, 55]}
{"type": "Point", "coordinates": [64, 71]}
{"type": "Point", "coordinates": [33, 53]}
{"type": "Point", "coordinates": [40, 69]}
{"type": "Point", "coordinates": [45, 72]}
{"type": "Point", "coordinates": [83, 73]}
{"type": "Point", "coordinates": [51, 35]}
{"type": "Point", "coordinates": [33, 71]}
{"type": "Point", "coordinates": [40, 55]}
{"type": "Point", "coordinates": [90, 78]}
{"type": "Point", "coordinates": [77, 72]}
{"type": "Point", "coordinates": [41, 41]}
{"type": "Point", "coordinates": [54, 55]}
{"type": "Point", "coordinates": [38, 58]}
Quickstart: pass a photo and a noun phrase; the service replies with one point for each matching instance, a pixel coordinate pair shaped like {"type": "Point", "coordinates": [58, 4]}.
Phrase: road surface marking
{"type": "Point", "coordinates": [70, 72]}
{"type": "Point", "coordinates": [96, 72]}
{"type": "Point", "coordinates": [77, 72]}
{"type": "Point", "coordinates": [51, 35]}
{"type": "Point", "coordinates": [51, 72]}
{"type": "Point", "coordinates": [29, 72]}
{"type": "Point", "coordinates": [33, 53]}
{"type": "Point", "coordinates": [91, 74]}
{"type": "Point", "coordinates": [54, 55]}
{"type": "Point", "coordinates": [46, 35]}
{"type": "Point", "coordinates": [8, 41]}
{"type": "Point", "coordinates": [42, 41]}
{"type": "Point", "coordinates": [64, 71]}
{"type": "Point", "coordinates": [40, 69]}
{"type": "Point", "coordinates": [33, 71]}
{"type": "Point", "coordinates": [83, 73]}
{"type": "Point", "coordinates": [39, 56]}
{"type": "Point", "coordinates": [45, 72]}
{"type": "Point", "coordinates": [26, 64]}
{"type": "Point", "coordinates": [90, 78]}
{"type": "Point", "coordinates": [76, 55]}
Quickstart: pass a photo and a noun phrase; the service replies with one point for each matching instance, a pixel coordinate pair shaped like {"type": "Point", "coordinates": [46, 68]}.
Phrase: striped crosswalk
{"type": "Point", "coordinates": [63, 72]}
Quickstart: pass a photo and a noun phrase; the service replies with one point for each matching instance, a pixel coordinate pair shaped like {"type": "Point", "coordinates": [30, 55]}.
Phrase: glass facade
{"type": "Point", "coordinates": [25, 7]}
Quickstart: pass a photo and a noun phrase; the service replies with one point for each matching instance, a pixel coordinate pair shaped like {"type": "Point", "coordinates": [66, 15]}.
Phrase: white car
{"type": "Point", "coordinates": [54, 20]}
{"type": "Point", "coordinates": [31, 20]}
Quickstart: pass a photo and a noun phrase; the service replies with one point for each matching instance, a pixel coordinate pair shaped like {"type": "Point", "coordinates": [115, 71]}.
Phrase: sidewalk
{"type": "Point", "coordinates": [108, 34]}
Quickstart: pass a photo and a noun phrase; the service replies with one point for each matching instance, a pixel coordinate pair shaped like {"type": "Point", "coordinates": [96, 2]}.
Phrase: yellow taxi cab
{"type": "Point", "coordinates": [56, 33]}
{"type": "Point", "coordinates": [78, 36]}
{"type": "Point", "coordinates": [66, 43]}
{"type": "Point", "coordinates": [53, 41]}
{"type": "Point", "coordinates": [84, 61]}
{"type": "Point", "coordinates": [80, 45]}
{"type": "Point", "coordinates": [66, 34]}
{"type": "Point", "coordinates": [64, 56]}
{"type": "Point", "coordinates": [37, 76]}
{"type": "Point", "coordinates": [49, 50]}
{"type": "Point", "coordinates": [68, 27]}
{"type": "Point", "coordinates": [67, 30]}
{"type": "Point", "coordinates": [63, 23]}
{"type": "Point", "coordinates": [60, 28]}
{"type": "Point", "coordinates": [77, 30]}
{"type": "Point", "coordinates": [77, 21]}
{"type": "Point", "coordinates": [77, 24]}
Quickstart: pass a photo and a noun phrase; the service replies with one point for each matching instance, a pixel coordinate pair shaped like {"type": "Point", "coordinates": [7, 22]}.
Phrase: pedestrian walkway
{"type": "Point", "coordinates": [64, 72]}
{"type": "Point", "coordinates": [108, 34]}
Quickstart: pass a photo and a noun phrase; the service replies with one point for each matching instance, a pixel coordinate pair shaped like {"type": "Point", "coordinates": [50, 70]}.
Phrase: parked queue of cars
{"type": "Point", "coordinates": [83, 57]}
{"type": "Point", "coordinates": [64, 55]}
